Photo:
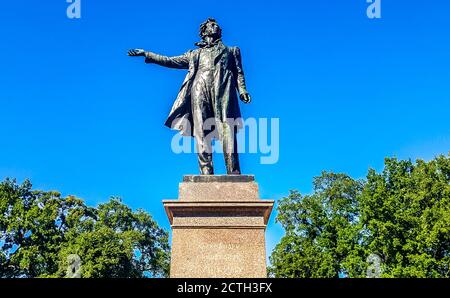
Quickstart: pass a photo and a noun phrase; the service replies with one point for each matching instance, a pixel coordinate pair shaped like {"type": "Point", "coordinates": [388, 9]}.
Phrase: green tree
{"type": "Point", "coordinates": [401, 214]}
{"type": "Point", "coordinates": [321, 235]}
{"type": "Point", "coordinates": [405, 214]}
{"type": "Point", "coordinates": [39, 230]}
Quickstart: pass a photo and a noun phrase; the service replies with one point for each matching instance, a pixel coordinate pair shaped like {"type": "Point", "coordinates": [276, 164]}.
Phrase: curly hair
{"type": "Point", "coordinates": [203, 27]}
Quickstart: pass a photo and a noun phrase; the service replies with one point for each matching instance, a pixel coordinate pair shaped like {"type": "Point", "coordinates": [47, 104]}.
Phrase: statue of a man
{"type": "Point", "coordinates": [207, 105]}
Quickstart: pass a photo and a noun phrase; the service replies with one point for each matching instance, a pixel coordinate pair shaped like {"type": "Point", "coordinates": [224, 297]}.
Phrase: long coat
{"type": "Point", "coordinates": [228, 78]}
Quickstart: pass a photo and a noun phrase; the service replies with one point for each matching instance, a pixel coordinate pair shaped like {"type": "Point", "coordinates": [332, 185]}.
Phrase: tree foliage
{"type": "Point", "coordinates": [39, 230]}
{"type": "Point", "coordinates": [401, 214]}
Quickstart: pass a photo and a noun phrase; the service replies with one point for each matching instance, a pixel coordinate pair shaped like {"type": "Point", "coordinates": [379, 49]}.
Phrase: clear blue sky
{"type": "Point", "coordinates": [79, 116]}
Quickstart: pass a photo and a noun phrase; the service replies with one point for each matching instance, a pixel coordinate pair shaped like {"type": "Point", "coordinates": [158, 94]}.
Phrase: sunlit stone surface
{"type": "Point", "coordinates": [218, 227]}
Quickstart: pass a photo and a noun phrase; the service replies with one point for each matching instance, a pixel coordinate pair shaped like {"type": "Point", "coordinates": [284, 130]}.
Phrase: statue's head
{"type": "Point", "coordinates": [210, 28]}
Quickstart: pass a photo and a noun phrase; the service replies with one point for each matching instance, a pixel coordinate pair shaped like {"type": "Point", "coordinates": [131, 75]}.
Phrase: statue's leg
{"type": "Point", "coordinates": [202, 112]}
{"type": "Point", "coordinates": [230, 150]}
{"type": "Point", "coordinates": [204, 146]}
{"type": "Point", "coordinates": [205, 162]}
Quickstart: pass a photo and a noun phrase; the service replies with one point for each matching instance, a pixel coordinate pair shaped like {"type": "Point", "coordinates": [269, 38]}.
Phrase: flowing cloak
{"type": "Point", "coordinates": [228, 77]}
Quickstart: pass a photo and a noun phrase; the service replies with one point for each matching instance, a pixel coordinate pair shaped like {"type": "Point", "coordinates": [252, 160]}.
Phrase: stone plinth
{"type": "Point", "coordinates": [218, 227]}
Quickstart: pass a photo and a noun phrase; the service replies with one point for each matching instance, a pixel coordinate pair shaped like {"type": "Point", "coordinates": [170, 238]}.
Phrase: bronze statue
{"type": "Point", "coordinates": [207, 105]}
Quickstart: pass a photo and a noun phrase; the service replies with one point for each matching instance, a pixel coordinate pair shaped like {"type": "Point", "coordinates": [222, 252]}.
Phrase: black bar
{"type": "Point", "coordinates": [222, 287]}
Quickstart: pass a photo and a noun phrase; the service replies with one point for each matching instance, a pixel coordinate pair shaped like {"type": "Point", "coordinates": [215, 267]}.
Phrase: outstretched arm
{"type": "Point", "coordinates": [181, 61]}
{"type": "Point", "coordinates": [240, 78]}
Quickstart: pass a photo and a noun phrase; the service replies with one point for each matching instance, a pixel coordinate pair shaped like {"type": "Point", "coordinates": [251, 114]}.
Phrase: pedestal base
{"type": "Point", "coordinates": [218, 228]}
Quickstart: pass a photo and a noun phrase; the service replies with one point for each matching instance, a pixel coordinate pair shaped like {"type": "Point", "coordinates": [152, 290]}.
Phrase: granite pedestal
{"type": "Point", "coordinates": [218, 228]}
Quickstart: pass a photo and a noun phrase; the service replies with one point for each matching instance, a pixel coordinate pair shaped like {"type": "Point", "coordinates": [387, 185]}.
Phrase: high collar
{"type": "Point", "coordinates": [205, 44]}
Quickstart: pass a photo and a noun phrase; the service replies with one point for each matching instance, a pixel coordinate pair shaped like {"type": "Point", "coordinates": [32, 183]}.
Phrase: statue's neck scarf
{"type": "Point", "coordinates": [206, 44]}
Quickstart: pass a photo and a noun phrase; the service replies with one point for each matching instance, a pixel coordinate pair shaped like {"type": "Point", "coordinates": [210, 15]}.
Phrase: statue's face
{"type": "Point", "coordinates": [212, 29]}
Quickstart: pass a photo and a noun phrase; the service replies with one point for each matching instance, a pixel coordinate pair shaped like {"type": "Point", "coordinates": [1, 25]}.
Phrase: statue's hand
{"type": "Point", "coordinates": [136, 52]}
{"type": "Point", "coordinates": [245, 97]}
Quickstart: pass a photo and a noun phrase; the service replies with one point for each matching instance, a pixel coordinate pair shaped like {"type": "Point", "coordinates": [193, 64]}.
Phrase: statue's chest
{"type": "Point", "coordinates": [213, 58]}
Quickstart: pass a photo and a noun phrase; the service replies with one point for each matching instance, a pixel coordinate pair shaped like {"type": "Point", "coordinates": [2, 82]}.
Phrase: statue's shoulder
{"type": "Point", "coordinates": [235, 50]}
{"type": "Point", "coordinates": [194, 51]}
